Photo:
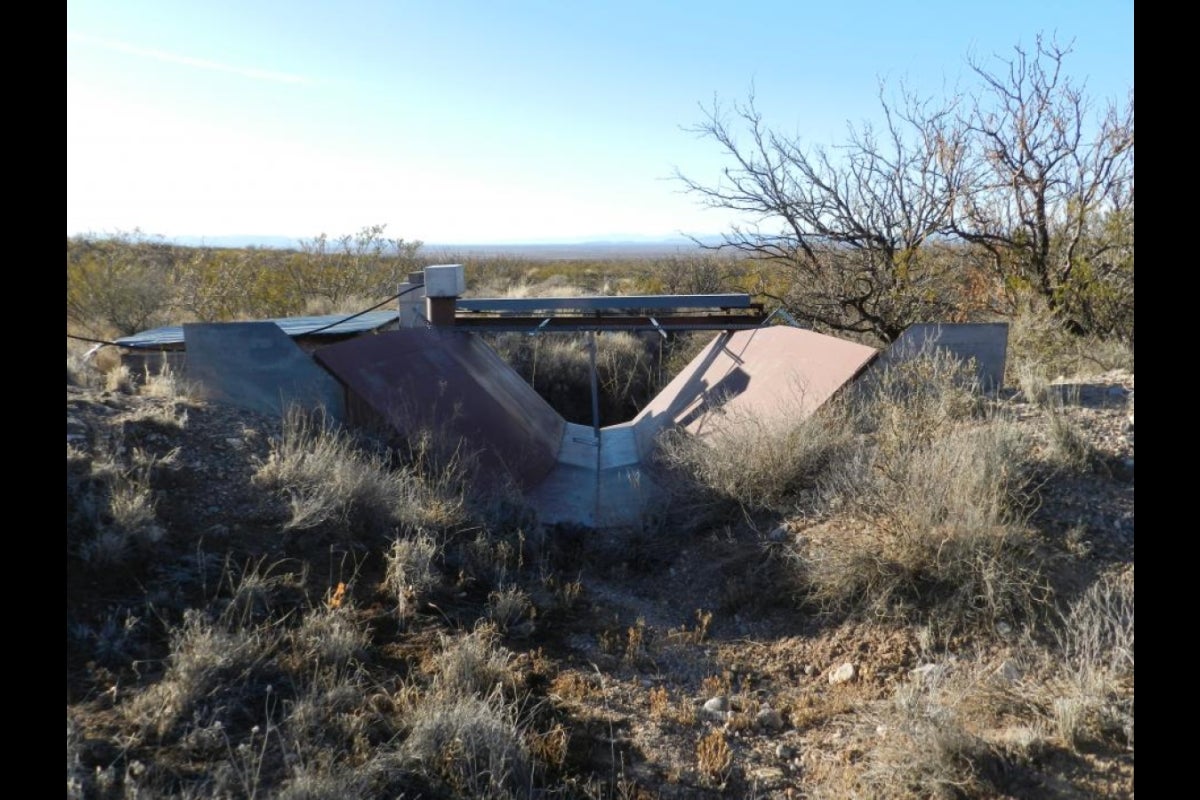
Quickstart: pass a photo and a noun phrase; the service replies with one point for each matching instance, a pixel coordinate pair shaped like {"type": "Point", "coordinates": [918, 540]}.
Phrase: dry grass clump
{"type": "Point", "coordinates": [759, 463]}
{"type": "Point", "coordinates": [467, 730]}
{"type": "Point", "coordinates": [1095, 700]}
{"type": "Point", "coordinates": [111, 505]}
{"type": "Point", "coordinates": [412, 571]}
{"type": "Point", "coordinates": [205, 657]}
{"type": "Point", "coordinates": [922, 748]}
{"type": "Point", "coordinates": [330, 482]}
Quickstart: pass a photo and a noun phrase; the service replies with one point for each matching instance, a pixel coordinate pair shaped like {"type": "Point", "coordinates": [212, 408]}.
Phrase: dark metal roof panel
{"type": "Point", "coordinates": [292, 326]}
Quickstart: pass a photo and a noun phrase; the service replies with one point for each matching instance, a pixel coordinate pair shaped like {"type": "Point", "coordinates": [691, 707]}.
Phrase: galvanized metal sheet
{"type": "Point", "coordinates": [763, 373]}
{"type": "Point", "coordinates": [986, 343]}
{"type": "Point", "coordinates": [254, 365]}
{"type": "Point", "coordinates": [454, 384]}
{"type": "Point", "coordinates": [292, 326]}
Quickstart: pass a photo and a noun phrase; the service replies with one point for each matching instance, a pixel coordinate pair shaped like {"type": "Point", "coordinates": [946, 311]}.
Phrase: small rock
{"type": "Point", "coordinates": [1003, 628]}
{"type": "Point", "coordinates": [810, 670]}
{"type": "Point", "coordinates": [778, 535]}
{"type": "Point", "coordinates": [843, 674]}
{"type": "Point", "coordinates": [769, 719]}
{"type": "Point", "coordinates": [766, 777]}
{"type": "Point", "coordinates": [1008, 672]}
{"type": "Point", "coordinates": [783, 752]}
{"type": "Point", "coordinates": [235, 443]}
{"type": "Point", "coordinates": [718, 703]}
{"type": "Point", "coordinates": [881, 731]}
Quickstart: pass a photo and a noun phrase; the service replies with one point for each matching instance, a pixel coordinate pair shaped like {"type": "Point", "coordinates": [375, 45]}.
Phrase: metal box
{"type": "Point", "coordinates": [445, 280]}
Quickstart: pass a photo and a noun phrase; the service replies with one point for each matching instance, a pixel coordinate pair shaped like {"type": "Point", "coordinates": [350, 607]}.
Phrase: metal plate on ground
{"type": "Point", "coordinates": [255, 365]}
{"type": "Point", "coordinates": [984, 342]}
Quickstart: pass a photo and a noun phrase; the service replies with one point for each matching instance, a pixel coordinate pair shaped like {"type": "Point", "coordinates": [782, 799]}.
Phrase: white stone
{"type": "Point", "coordinates": [846, 672]}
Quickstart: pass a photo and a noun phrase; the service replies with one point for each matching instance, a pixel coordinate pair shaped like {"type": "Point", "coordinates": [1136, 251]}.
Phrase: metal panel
{"type": "Point", "coordinates": [454, 384]}
{"type": "Point", "coordinates": [986, 343]}
{"type": "Point", "coordinates": [292, 326]}
{"type": "Point", "coordinates": [752, 374]}
{"type": "Point", "coordinates": [603, 303]}
{"type": "Point", "coordinates": [254, 365]}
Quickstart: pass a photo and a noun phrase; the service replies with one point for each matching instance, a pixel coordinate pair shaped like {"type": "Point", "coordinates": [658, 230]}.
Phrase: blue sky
{"type": "Point", "coordinates": [492, 122]}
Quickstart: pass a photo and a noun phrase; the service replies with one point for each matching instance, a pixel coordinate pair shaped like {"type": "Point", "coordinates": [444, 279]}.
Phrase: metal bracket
{"type": "Point", "coordinates": [788, 318]}
{"type": "Point", "coordinates": [658, 327]}
{"type": "Point", "coordinates": [538, 329]}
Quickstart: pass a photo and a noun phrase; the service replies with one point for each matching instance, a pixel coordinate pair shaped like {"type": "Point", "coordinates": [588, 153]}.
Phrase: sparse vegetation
{"type": "Point", "coordinates": [920, 590]}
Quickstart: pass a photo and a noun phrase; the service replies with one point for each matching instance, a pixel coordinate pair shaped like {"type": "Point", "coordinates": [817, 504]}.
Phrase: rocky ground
{"type": "Point", "coordinates": [669, 640]}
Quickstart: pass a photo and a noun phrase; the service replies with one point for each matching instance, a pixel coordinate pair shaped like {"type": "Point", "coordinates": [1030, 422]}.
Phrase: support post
{"type": "Point", "coordinates": [595, 390]}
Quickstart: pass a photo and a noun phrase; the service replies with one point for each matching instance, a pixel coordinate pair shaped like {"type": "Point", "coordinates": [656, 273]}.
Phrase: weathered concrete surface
{"type": "Point", "coordinates": [767, 372]}
{"type": "Point", "coordinates": [986, 343]}
{"type": "Point", "coordinates": [455, 385]}
{"type": "Point", "coordinates": [598, 483]}
{"type": "Point", "coordinates": [255, 365]}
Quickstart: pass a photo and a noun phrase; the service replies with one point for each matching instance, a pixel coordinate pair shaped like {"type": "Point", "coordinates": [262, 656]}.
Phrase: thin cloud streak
{"type": "Point", "coordinates": [199, 63]}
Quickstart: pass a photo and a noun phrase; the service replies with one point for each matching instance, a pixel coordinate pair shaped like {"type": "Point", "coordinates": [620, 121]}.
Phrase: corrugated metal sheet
{"type": "Point", "coordinates": [172, 335]}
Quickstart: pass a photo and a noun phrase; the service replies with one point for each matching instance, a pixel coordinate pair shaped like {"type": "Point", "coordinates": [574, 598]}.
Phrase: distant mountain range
{"type": "Point", "coordinates": [599, 249]}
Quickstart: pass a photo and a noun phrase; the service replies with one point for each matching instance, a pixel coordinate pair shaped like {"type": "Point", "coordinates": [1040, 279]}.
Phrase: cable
{"type": "Point", "coordinates": [372, 308]}
{"type": "Point", "coordinates": [307, 333]}
{"type": "Point", "coordinates": [93, 341]}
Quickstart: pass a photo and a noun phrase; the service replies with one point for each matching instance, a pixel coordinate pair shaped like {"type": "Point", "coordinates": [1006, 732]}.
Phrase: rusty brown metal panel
{"type": "Point", "coordinates": [760, 373]}
{"type": "Point", "coordinates": [456, 385]}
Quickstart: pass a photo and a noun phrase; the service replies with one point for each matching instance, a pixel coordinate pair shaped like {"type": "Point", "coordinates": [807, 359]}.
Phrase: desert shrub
{"type": "Point", "coordinates": [122, 283]}
{"type": "Point", "coordinates": [923, 748]}
{"type": "Point", "coordinates": [935, 503]}
{"type": "Point", "coordinates": [1040, 346]}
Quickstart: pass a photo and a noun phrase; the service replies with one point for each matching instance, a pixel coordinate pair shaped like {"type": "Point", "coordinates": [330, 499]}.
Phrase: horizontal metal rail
{"type": "Point", "coordinates": [535, 324]}
{"type": "Point", "coordinates": [656, 302]}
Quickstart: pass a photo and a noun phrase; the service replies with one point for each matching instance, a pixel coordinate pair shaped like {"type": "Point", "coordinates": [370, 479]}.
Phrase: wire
{"type": "Point", "coordinates": [307, 333]}
{"type": "Point", "coordinates": [372, 308]}
{"type": "Point", "coordinates": [93, 341]}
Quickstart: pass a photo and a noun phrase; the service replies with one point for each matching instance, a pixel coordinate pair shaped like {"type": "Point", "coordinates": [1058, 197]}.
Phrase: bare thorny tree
{"type": "Point", "coordinates": [872, 232]}
{"type": "Point", "coordinates": [1051, 200]}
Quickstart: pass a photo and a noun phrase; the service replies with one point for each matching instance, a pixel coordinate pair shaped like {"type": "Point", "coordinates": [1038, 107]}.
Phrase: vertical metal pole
{"type": "Point", "coordinates": [595, 391]}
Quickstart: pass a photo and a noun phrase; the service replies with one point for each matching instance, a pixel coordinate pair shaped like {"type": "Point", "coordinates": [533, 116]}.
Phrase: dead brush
{"type": "Point", "coordinates": [714, 758]}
